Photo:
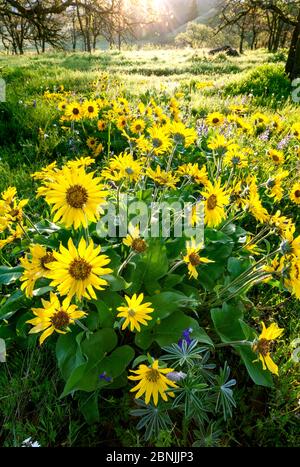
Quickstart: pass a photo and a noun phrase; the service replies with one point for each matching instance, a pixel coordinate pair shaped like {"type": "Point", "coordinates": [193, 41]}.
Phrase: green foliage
{"type": "Point", "coordinates": [94, 359]}
{"type": "Point", "coordinates": [267, 84]}
{"type": "Point", "coordinates": [196, 35]}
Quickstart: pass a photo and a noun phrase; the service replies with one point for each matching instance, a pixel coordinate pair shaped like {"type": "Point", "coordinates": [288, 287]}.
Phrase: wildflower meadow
{"type": "Point", "coordinates": [149, 249]}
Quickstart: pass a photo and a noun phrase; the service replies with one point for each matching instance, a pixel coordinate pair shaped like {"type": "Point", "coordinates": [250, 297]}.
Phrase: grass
{"type": "Point", "coordinates": [29, 383]}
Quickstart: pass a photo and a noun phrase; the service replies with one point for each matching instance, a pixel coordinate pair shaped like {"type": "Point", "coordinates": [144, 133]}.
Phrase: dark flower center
{"type": "Point", "coordinates": [138, 127]}
{"type": "Point", "coordinates": [194, 259]}
{"type": "Point", "coordinates": [152, 375]}
{"type": "Point", "coordinates": [77, 196]}
{"type": "Point", "coordinates": [14, 212]}
{"type": "Point", "coordinates": [131, 313]}
{"type": "Point", "coordinates": [271, 183]}
{"type": "Point", "coordinates": [48, 258]}
{"type": "Point", "coordinates": [297, 193]}
{"type": "Point", "coordinates": [263, 347]}
{"type": "Point", "coordinates": [80, 269]}
{"type": "Point", "coordinates": [235, 160]}
{"type": "Point", "coordinates": [212, 202]}
{"type": "Point", "coordinates": [75, 111]}
{"type": "Point", "coordinates": [215, 120]}
{"type": "Point", "coordinates": [90, 109]}
{"type": "Point", "coordinates": [129, 170]}
{"type": "Point", "coordinates": [60, 319]}
{"type": "Point", "coordinates": [275, 158]}
{"type": "Point", "coordinates": [157, 143]}
{"type": "Point", "coordinates": [139, 245]}
{"type": "Point", "coordinates": [179, 138]}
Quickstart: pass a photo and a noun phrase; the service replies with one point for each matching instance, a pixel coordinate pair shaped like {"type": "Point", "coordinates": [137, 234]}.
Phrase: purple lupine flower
{"type": "Point", "coordinates": [104, 376]}
{"type": "Point", "coordinates": [284, 142]}
{"type": "Point", "coordinates": [265, 136]}
{"type": "Point", "coordinates": [202, 128]}
{"type": "Point", "coordinates": [176, 376]}
{"type": "Point", "coordinates": [186, 336]}
{"type": "Point", "coordinates": [226, 130]}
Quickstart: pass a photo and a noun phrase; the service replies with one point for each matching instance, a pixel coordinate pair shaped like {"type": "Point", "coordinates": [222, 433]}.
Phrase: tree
{"type": "Point", "coordinates": [41, 17]}
{"type": "Point", "coordinates": [282, 16]}
{"type": "Point", "coordinates": [196, 35]}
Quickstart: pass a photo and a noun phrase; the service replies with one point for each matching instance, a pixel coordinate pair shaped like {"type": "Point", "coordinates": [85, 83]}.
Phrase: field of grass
{"type": "Point", "coordinates": [30, 139]}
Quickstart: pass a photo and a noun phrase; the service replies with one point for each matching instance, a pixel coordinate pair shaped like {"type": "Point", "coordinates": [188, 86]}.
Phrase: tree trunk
{"type": "Point", "coordinates": [292, 64]}
{"type": "Point", "coordinates": [296, 68]}
{"type": "Point", "coordinates": [271, 24]}
{"type": "Point", "coordinates": [254, 39]}
{"type": "Point", "coordinates": [242, 38]}
{"type": "Point", "coordinates": [277, 36]}
{"type": "Point", "coordinates": [74, 38]}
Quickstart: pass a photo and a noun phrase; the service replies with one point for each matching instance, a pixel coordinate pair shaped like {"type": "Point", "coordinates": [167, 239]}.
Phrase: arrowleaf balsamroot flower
{"type": "Point", "coordinates": [216, 198]}
{"type": "Point", "coordinates": [90, 109]}
{"type": "Point", "coordinates": [193, 259]}
{"type": "Point", "coordinates": [74, 112]}
{"type": "Point", "coordinates": [152, 382]}
{"type": "Point", "coordinates": [181, 134]}
{"type": "Point", "coordinates": [134, 240]}
{"type": "Point", "coordinates": [135, 312]}
{"type": "Point", "coordinates": [76, 197]}
{"type": "Point", "coordinates": [54, 317]}
{"type": "Point", "coordinates": [215, 119]}
{"type": "Point", "coordinates": [263, 345]}
{"type": "Point", "coordinates": [35, 268]}
{"type": "Point", "coordinates": [78, 271]}
{"type": "Point", "coordinates": [295, 193]}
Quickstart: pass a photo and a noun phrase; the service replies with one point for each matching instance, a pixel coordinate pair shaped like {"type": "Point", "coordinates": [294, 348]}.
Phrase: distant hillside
{"type": "Point", "coordinates": [202, 19]}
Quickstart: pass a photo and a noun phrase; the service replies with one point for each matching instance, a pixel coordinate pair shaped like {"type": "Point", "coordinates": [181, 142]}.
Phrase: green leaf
{"type": "Point", "coordinates": [166, 303]}
{"type": "Point", "coordinates": [169, 331]}
{"type": "Point", "coordinates": [68, 354]}
{"type": "Point", "coordinates": [42, 291]}
{"type": "Point", "coordinates": [116, 283]}
{"type": "Point", "coordinates": [13, 304]}
{"type": "Point", "coordinates": [92, 321]}
{"type": "Point", "coordinates": [216, 236]}
{"type": "Point", "coordinates": [226, 322]}
{"type": "Point", "coordinates": [139, 359]}
{"type": "Point", "coordinates": [116, 363]}
{"type": "Point", "coordinates": [229, 325]}
{"type": "Point", "coordinates": [217, 252]}
{"type": "Point", "coordinates": [172, 280]}
{"type": "Point", "coordinates": [247, 330]}
{"type": "Point", "coordinates": [105, 314]}
{"type": "Point", "coordinates": [47, 227]}
{"type": "Point", "coordinates": [156, 263]}
{"type": "Point", "coordinates": [21, 326]}
{"type": "Point", "coordinates": [110, 298]}
{"type": "Point", "coordinates": [96, 345]}
{"type": "Point", "coordinates": [236, 266]}
{"type": "Point", "coordinates": [89, 407]}
{"type": "Point", "coordinates": [86, 377]}
{"type": "Point", "coordinates": [10, 275]}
